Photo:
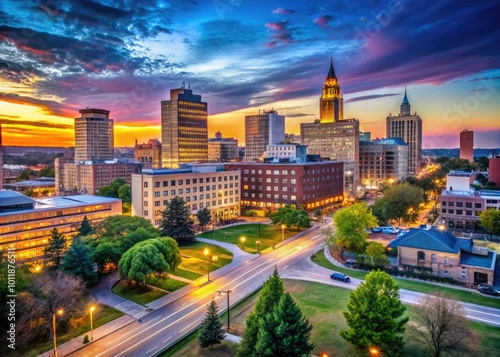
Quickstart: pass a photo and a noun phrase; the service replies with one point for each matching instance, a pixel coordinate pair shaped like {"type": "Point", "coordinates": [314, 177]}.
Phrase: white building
{"type": "Point", "coordinates": [294, 152]}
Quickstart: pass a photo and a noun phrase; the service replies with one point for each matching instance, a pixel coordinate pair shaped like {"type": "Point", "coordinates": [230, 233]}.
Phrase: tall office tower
{"type": "Point", "coordinates": [94, 136]}
{"type": "Point", "coordinates": [408, 127]}
{"type": "Point", "coordinates": [467, 145]}
{"type": "Point", "coordinates": [333, 136]}
{"type": "Point", "coordinates": [265, 128]}
{"type": "Point", "coordinates": [331, 103]}
{"type": "Point", "coordinates": [184, 132]}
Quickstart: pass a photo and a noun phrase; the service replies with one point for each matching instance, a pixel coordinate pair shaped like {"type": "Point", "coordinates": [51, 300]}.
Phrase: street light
{"type": "Point", "coordinates": [258, 246]}
{"type": "Point", "coordinates": [227, 292]}
{"type": "Point", "coordinates": [92, 308]}
{"type": "Point", "coordinates": [214, 258]}
{"type": "Point", "coordinates": [242, 239]}
{"type": "Point", "coordinates": [374, 351]}
{"type": "Point", "coordinates": [282, 232]}
{"type": "Point", "coordinates": [60, 312]}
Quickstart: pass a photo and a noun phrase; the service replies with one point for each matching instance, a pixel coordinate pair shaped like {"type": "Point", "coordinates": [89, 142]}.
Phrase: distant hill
{"type": "Point", "coordinates": [455, 152]}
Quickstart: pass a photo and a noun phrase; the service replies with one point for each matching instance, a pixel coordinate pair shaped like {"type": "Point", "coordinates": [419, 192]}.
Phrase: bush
{"type": "Point", "coordinates": [250, 213]}
{"type": "Point", "coordinates": [86, 339]}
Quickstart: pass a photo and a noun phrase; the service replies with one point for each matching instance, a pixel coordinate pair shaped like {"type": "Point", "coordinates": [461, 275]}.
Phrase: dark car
{"type": "Point", "coordinates": [340, 276]}
{"type": "Point", "coordinates": [349, 263]}
{"type": "Point", "coordinates": [488, 291]}
{"type": "Point", "coordinates": [482, 285]}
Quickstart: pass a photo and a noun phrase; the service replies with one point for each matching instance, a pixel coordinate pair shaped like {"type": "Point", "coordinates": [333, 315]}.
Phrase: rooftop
{"type": "Point", "coordinates": [11, 198]}
{"type": "Point", "coordinates": [483, 261]}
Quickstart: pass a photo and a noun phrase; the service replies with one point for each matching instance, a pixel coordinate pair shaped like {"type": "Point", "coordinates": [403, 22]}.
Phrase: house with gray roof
{"type": "Point", "coordinates": [442, 254]}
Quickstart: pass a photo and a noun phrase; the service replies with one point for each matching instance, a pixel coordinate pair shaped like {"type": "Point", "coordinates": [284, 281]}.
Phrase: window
{"type": "Point", "coordinates": [446, 260]}
{"type": "Point", "coordinates": [460, 204]}
{"type": "Point", "coordinates": [146, 213]}
{"type": "Point", "coordinates": [276, 172]}
{"type": "Point", "coordinates": [293, 181]}
{"type": "Point", "coordinates": [293, 198]}
{"type": "Point", "coordinates": [165, 202]}
{"type": "Point", "coordinates": [145, 203]}
{"type": "Point", "coordinates": [188, 182]}
{"type": "Point", "coordinates": [268, 188]}
{"type": "Point", "coordinates": [145, 185]}
{"type": "Point", "coordinates": [276, 197]}
{"type": "Point", "coordinates": [157, 184]}
{"type": "Point", "coordinates": [421, 255]}
{"type": "Point", "coordinates": [145, 194]}
{"type": "Point", "coordinates": [451, 204]}
{"type": "Point", "coordinates": [292, 172]}
{"type": "Point", "coordinates": [443, 210]}
{"type": "Point", "coordinates": [172, 192]}
{"type": "Point", "coordinates": [468, 204]}
{"type": "Point", "coordinates": [180, 191]}
{"type": "Point", "coordinates": [443, 203]}
{"type": "Point", "coordinates": [165, 193]}
{"type": "Point", "coordinates": [459, 211]}
{"type": "Point", "coordinates": [188, 190]}
{"type": "Point", "coordinates": [477, 205]}
{"type": "Point", "coordinates": [157, 203]}
{"type": "Point", "coordinates": [468, 213]}
{"type": "Point", "coordinates": [433, 257]}
{"type": "Point", "coordinates": [207, 188]}
{"type": "Point", "coordinates": [284, 172]}
{"type": "Point", "coordinates": [464, 272]}
{"type": "Point", "coordinates": [276, 180]}
{"type": "Point", "coordinates": [157, 194]}
{"type": "Point", "coordinates": [446, 273]}
{"type": "Point", "coordinates": [268, 172]}
{"type": "Point", "coordinates": [276, 188]}
{"type": "Point", "coordinates": [268, 180]}
{"type": "Point", "coordinates": [196, 181]}
{"type": "Point", "coordinates": [285, 188]}
{"type": "Point", "coordinates": [165, 183]}
{"type": "Point", "coordinates": [452, 211]}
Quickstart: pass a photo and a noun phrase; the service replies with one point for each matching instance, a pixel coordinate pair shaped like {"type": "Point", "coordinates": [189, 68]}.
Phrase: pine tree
{"type": "Point", "coordinates": [285, 332]}
{"type": "Point", "coordinates": [54, 249]}
{"type": "Point", "coordinates": [204, 217]}
{"type": "Point", "coordinates": [211, 331]}
{"type": "Point", "coordinates": [78, 261]}
{"type": "Point", "coordinates": [375, 315]}
{"type": "Point", "coordinates": [269, 296]}
{"type": "Point", "coordinates": [176, 221]}
{"type": "Point", "coordinates": [85, 227]}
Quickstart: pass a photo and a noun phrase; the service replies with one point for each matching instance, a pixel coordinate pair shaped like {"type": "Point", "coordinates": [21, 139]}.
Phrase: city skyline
{"type": "Point", "coordinates": [245, 56]}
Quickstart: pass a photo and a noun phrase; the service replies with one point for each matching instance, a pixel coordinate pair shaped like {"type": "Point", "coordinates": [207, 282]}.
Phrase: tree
{"type": "Point", "coordinates": [211, 331]}
{"type": "Point", "coordinates": [403, 202]}
{"type": "Point", "coordinates": [119, 188]}
{"type": "Point", "coordinates": [376, 251]}
{"type": "Point", "coordinates": [169, 248]}
{"type": "Point", "coordinates": [490, 220]}
{"type": "Point", "coordinates": [47, 171]}
{"type": "Point", "coordinates": [176, 221]}
{"type": "Point", "coordinates": [115, 227]}
{"type": "Point", "coordinates": [350, 223]}
{"type": "Point", "coordinates": [107, 255]}
{"type": "Point", "coordinates": [85, 227]}
{"type": "Point", "coordinates": [25, 174]}
{"type": "Point", "coordinates": [380, 211]}
{"type": "Point", "coordinates": [374, 314]}
{"type": "Point", "coordinates": [291, 217]}
{"type": "Point", "coordinates": [204, 217]}
{"type": "Point", "coordinates": [49, 292]}
{"type": "Point", "coordinates": [78, 261]}
{"type": "Point", "coordinates": [54, 250]}
{"type": "Point", "coordinates": [441, 326]}
{"type": "Point", "coordinates": [270, 295]}
{"type": "Point", "coordinates": [318, 214]}
{"type": "Point", "coordinates": [284, 332]}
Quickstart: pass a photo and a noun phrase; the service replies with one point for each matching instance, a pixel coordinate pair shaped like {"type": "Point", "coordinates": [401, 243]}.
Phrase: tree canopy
{"type": "Point", "coordinates": [400, 202]}
{"type": "Point", "coordinates": [490, 220]}
{"type": "Point", "coordinates": [85, 227]}
{"type": "Point", "coordinates": [285, 331]}
{"type": "Point", "coordinates": [270, 295]}
{"type": "Point", "coordinates": [374, 315]}
{"type": "Point", "coordinates": [211, 330]}
{"type": "Point", "coordinates": [350, 225]}
{"type": "Point", "coordinates": [55, 248]}
{"type": "Point", "coordinates": [176, 221]}
{"type": "Point", "coordinates": [78, 261]}
{"type": "Point", "coordinates": [291, 217]}
{"type": "Point", "coordinates": [204, 217]}
{"type": "Point", "coordinates": [119, 188]}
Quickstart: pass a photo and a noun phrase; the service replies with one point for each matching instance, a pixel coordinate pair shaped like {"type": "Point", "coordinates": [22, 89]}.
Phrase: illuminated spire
{"type": "Point", "coordinates": [331, 71]}
{"type": "Point", "coordinates": [405, 99]}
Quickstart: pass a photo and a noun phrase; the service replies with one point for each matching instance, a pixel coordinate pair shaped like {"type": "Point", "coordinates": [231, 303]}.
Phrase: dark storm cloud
{"type": "Point", "coordinates": [48, 106]}
{"type": "Point", "coordinates": [38, 123]}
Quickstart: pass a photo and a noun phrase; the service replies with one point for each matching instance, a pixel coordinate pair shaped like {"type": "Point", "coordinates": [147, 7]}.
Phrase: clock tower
{"type": "Point", "coordinates": [331, 104]}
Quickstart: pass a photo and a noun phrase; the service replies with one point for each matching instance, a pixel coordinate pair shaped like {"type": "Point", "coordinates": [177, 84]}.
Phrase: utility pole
{"type": "Point", "coordinates": [227, 292]}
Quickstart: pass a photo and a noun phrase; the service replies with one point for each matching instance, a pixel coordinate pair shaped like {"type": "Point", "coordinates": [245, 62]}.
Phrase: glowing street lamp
{"type": "Point", "coordinates": [92, 308]}
{"type": "Point", "coordinates": [242, 239]}
{"type": "Point", "coordinates": [282, 232]}
{"type": "Point", "coordinates": [214, 258]}
{"type": "Point", "coordinates": [60, 312]}
{"type": "Point", "coordinates": [258, 246]}
{"type": "Point", "coordinates": [374, 351]}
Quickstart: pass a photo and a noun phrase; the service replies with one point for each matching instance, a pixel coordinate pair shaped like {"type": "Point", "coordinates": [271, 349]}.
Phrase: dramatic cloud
{"type": "Point", "coordinates": [40, 124]}
{"type": "Point", "coordinates": [323, 21]}
{"type": "Point", "coordinates": [280, 10]}
{"type": "Point", "coordinates": [280, 33]}
{"type": "Point", "coordinates": [368, 97]}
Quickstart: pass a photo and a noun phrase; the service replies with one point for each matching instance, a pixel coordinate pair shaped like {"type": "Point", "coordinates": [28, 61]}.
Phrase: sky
{"type": "Point", "coordinates": [59, 56]}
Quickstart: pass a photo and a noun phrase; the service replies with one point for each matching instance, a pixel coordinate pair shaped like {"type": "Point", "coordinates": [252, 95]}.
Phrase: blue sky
{"type": "Point", "coordinates": [60, 56]}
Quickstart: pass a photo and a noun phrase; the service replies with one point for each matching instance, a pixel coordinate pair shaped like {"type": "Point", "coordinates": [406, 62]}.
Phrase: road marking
{"type": "Point", "coordinates": [483, 320]}
{"type": "Point", "coordinates": [167, 339]}
{"type": "Point", "coordinates": [480, 312]}
{"type": "Point", "coordinates": [154, 348]}
{"type": "Point", "coordinates": [137, 328]}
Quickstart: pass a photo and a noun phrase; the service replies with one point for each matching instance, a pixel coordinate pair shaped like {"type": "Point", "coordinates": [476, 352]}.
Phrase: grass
{"type": "Point", "coordinates": [269, 235]}
{"type": "Point", "coordinates": [187, 274]}
{"type": "Point", "coordinates": [101, 316]}
{"type": "Point", "coordinates": [188, 347]}
{"type": "Point", "coordinates": [135, 292]}
{"type": "Point", "coordinates": [461, 295]}
{"type": "Point", "coordinates": [167, 284]}
{"type": "Point", "coordinates": [323, 306]}
{"type": "Point", "coordinates": [194, 259]}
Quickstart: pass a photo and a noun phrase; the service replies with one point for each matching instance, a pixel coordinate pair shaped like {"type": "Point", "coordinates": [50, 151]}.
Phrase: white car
{"type": "Point", "coordinates": [390, 230]}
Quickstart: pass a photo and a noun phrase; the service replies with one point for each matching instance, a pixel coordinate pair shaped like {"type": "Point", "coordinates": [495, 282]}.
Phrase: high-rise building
{"type": "Point", "coordinates": [332, 136]}
{"type": "Point", "coordinates": [467, 145]}
{"type": "Point", "coordinates": [148, 154]}
{"type": "Point", "coordinates": [222, 149]}
{"type": "Point", "coordinates": [494, 169]}
{"type": "Point", "coordinates": [408, 127]}
{"type": "Point", "coordinates": [382, 161]}
{"type": "Point", "coordinates": [265, 128]}
{"type": "Point", "coordinates": [94, 135]}
{"type": "Point", "coordinates": [184, 132]}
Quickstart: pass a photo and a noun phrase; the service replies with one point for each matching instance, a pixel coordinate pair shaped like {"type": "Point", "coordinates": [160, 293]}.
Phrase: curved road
{"type": "Point", "coordinates": [163, 327]}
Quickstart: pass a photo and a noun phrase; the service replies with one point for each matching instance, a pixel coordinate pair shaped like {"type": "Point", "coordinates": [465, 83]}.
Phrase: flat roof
{"type": "Point", "coordinates": [475, 260]}
{"type": "Point", "coordinates": [11, 198]}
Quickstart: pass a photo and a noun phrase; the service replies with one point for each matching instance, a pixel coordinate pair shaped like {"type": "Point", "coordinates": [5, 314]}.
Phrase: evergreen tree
{"type": "Point", "coordinates": [375, 315]}
{"type": "Point", "coordinates": [78, 261]}
{"type": "Point", "coordinates": [204, 217]}
{"type": "Point", "coordinates": [85, 227]}
{"type": "Point", "coordinates": [269, 296]}
{"type": "Point", "coordinates": [176, 221]}
{"type": "Point", "coordinates": [285, 332]}
{"type": "Point", "coordinates": [54, 249]}
{"type": "Point", "coordinates": [211, 331]}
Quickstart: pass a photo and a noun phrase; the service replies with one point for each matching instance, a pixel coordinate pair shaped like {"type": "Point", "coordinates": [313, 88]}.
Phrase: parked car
{"type": "Point", "coordinates": [349, 263]}
{"type": "Point", "coordinates": [340, 276]}
{"type": "Point", "coordinates": [390, 230]}
{"type": "Point", "coordinates": [482, 285]}
{"type": "Point", "coordinates": [488, 291]}
{"type": "Point", "coordinates": [377, 229]}
{"type": "Point", "coordinates": [402, 232]}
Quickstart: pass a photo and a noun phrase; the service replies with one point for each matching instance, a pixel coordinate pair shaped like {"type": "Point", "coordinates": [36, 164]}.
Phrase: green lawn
{"type": "Point", "coordinates": [167, 284]}
{"type": "Point", "coordinates": [462, 295]}
{"type": "Point", "coordinates": [323, 305]}
{"type": "Point", "coordinates": [135, 292]}
{"type": "Point", "coordinates": [195, 261]}
{"type": "Point", "coordinates": [269, 235]}
{"type": "Point", "coordinates": [187, 274]}
{"type": "Point", "coordinates": [101, 316]}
